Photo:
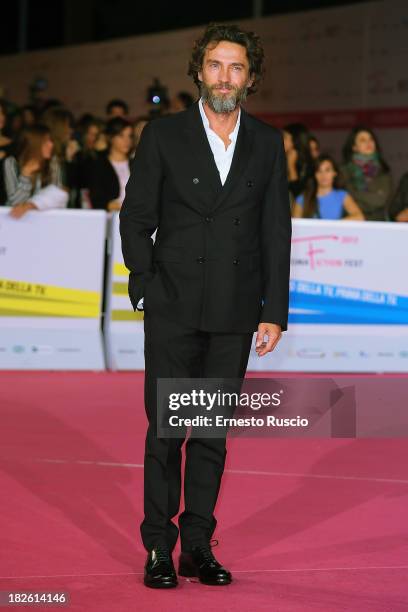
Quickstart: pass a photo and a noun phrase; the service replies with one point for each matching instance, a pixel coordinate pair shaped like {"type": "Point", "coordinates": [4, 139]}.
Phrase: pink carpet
{"type": "Point", "coordinates": [304, 525]}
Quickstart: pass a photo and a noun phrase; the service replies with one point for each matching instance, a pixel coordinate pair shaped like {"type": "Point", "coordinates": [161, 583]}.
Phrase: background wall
{"type": "Point", "coordinates": [329, 68]}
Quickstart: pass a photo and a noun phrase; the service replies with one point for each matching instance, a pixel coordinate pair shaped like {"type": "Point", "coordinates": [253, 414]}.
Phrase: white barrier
{"type": "Point", "coordinates": [123, 328]}
{"type": "Point", "coordinates": [348, 300]}
{"type": "Point", "coordinates": [51, 282]}
{"type": "Point", "coordinates": [348, 307]}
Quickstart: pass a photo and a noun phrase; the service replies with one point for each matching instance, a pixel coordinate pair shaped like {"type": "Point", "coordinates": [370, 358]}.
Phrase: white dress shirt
{"type": "Point", "coordinates": [222, 157]}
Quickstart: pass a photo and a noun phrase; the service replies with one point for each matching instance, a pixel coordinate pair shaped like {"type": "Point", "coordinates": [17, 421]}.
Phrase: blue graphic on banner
{"type": "Point", "coordinates": [320, 303]}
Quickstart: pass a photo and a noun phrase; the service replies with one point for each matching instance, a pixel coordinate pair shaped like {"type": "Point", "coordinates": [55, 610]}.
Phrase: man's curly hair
{"type": "Point", "coordinates": [216, 32]}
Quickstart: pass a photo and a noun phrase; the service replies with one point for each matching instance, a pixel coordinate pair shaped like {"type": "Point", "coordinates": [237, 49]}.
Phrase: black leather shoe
{"type": "Point", "coordinates": [159, 570]}
{"type": "Point", "coordinates": [202, 563]}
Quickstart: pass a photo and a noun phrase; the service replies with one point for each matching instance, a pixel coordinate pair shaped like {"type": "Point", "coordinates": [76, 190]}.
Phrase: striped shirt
{"type": "Point", "coordinates": [19, 188]}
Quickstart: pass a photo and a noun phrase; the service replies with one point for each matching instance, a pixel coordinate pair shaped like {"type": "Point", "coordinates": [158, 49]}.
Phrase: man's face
{"type": "Point", "coordinates": [116, 111]}
{"type": "Point", "coordinates": [224, 76]}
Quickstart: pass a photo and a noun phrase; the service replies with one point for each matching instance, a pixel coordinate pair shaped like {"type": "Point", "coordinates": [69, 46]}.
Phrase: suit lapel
{"type": "Point", "coordinates": [202, 151]}
{"type": "Point", "coordinates": [242, 153]}
{"type": "Point", "coordinates": [208, 170]}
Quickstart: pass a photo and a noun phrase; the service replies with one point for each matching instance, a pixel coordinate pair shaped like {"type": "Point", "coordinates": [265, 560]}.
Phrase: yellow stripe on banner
{"type": "Point", "coordinates": [41, 292]}
{"type": "Point", "coordinates": [126, 315]}
{"type": "Point", "coordinates": [119, 269]}
{"type": "Point", "coordinates": [119, 288]}
{"type": "Point", "coordinates": [51, 309]}
{"type": "Point", "coordinates": [27, 313]}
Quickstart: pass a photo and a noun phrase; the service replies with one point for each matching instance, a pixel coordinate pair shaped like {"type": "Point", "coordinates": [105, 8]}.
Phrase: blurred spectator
{"type": "Point", "coordinates": [398, 210]}
{"type": "Point", "coordinates": [33, 178]}
{"type": "Point", "coordinates": [298, 158]}
{"type": "Point", "coordinates": [181, 101]}
{"type": "Point", "coordinates": [101, 143]}
{"type": "Point", "coordinates": [29, 115]}
{"type": "Point", "coordinates": [14, 123]}
{"type": "Point", "coordinates": [49, 103]}
{"type": "Point", "coordinates": [323, 199]}
{"type": "Point", "coordinates": [60, 120]}
{"type": "Point", "coordinates": [117, 108]}
{"type": "Point", "coordinates": [111, 171]}
{"type": "Point", "coordinates": [366, 175]}
{"type": "Point", "coordinates": [5, 149]}
{"type": "Point", "coordinates": [88, 132]}
{"type": "Point", "coordinates": [5, 141]}
{"type": "Point", "coordinates": [138, 127]}
{"type": "Point", "coordinates": [314, 147]}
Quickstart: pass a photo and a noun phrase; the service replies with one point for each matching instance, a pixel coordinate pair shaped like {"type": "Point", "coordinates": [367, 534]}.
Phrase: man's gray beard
{"type": "Point", "coordinates": [221, 103]}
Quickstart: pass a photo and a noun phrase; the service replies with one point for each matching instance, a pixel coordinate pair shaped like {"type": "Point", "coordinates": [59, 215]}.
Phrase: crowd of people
{"type": "Point", "coordinates": [50, 160]}
{"type": "Point", "coordinates": [361, 187]}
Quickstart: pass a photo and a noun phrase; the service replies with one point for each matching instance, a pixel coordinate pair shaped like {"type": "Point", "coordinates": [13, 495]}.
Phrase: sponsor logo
{"type": "Point", "coordinates": [314, 251]}
{"type": "Point", "coordinates": [43, 349]}
{"type": "Point", "coordinates": [310, 353]}
{"type": "Point", "coordinates": [18, 348]}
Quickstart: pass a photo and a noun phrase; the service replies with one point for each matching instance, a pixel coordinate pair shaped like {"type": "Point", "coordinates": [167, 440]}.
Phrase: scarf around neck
{"type": "Point", "coordinates": [363, 169]}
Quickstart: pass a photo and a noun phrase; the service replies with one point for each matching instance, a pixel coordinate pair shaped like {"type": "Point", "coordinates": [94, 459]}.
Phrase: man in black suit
{"type": "Point", "coordinates": [212, 180]}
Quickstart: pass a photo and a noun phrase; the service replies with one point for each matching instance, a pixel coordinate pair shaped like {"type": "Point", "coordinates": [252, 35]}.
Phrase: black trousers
{"type": "Point", "coordinates": [173, 350]}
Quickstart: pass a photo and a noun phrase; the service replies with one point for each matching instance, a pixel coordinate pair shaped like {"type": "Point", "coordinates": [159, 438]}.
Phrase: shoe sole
{"type": "Point", "coordinates": [162, 585]}
{"type": "Point", "coordinates": [186, 573]}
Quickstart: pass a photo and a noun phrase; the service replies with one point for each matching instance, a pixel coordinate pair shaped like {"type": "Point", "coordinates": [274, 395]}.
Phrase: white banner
{"type": "Point", "coordinates": [348, 308]}
{"type": "Point", "coordinates": [51, 282]}
{"type": "Point", "coordinates": [348, 300]}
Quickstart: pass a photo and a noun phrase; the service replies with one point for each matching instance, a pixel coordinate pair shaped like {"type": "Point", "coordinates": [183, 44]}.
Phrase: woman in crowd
{"type": "Point", "coordinates": [59, 121]}
{"type": "Point", "coordinates": [101, 143]}
{"type": "Point", "coordinates": [33, 178]}
{"type": "Point", "coordinates": [323, 199]}
{"type": "Point", "coordinates": [111, 172]}
{"type": "Point", "coordinates": [398, 210]}
{"type": "Point", "coordinates": [138, 127]}
{"type": "Point", "coordinates": [298, 158]}
{"type": "Point", "coordinates": [314, 147]}
{"type": "Point", "coordinates": [366, 175]}
{"type": "Point", "coordinates": [88, 131]}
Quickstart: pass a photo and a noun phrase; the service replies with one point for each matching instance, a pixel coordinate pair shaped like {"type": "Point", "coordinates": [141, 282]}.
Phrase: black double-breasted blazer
{"type": "Point", "coordinates": [220, 261]}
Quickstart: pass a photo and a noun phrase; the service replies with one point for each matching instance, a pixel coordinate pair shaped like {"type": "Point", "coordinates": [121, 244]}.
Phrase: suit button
{"type": "Point", "coordinates": [235, 262]}
{"type": "Point", "coordinates": [236, 221]}
{"type": "Point", "coordinates": [250, 184]}
{"type": "Point", "coordinates": [200, 260]}
{"type": "Point", "coordinates": [196, 180]}
{"type": "Point", "coordinates": [209, 219]}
